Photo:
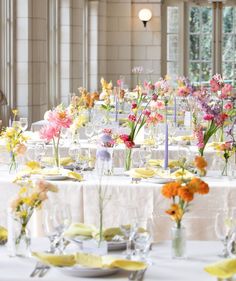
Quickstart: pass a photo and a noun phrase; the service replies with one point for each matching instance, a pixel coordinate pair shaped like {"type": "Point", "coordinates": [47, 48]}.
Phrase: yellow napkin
{"type": "Point", "coordinates": [75, 175]}
{"type": "Point", "coordinates": [32, 165]}
{"type": "Point", "coordinates": [3, 235]}
{"type": "Point", "coordinates": [111, 232]}
{"type": "Point", "coordinates": [181, 174]}
{"type": "Point", "coordinates": [222, 269]}
{"type": "Point", "coordinates": [56, 260]}
{"type": "Point", "coordinates": [80, 229]}
{"type": "Point", "coordinates": [184, 138]}
{"type": "Point", "coordinates": [64, 161]}
{"type": "Point", "coordinates": [159, 162]}
{"type": "Point", "coordinates": [142, 173]}
{"type": "Point", "coordinates": [89, 260]}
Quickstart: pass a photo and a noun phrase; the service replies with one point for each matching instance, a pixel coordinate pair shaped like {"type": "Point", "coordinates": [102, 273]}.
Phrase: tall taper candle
{"type": "Point", "coordinates": [175, 111]}
{"type": "Point", "coordinates": [166, 148]}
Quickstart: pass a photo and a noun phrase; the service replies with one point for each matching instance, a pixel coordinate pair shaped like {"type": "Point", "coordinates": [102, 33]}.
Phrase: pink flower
{"type": "Point", "coordinates": [183, 91]}
{"type": "Point", "coordinates": [214, 86]}
{"type": "Point", "coordinates": [208, 117]}
{"type": "Point", "coordinates": [228, 106]}
{"type": "Point", "coordinates": [154, 97]}
{"type": "Point", "coordinates": [146, 112]}
{"type": "Point", "coordinates": [134, 105]}
{"type": "Point", "coordinates": [132, 117]}
{"type": "Point", "coordinates": [107, 131]}
{"type": "Point", "coordinates": [124, 137]}
{"type": "Point", "coordinates": [20, 149]}
{"type": "Point", "coordinates": [59, 117]}
{"type": "Point", "coordinates": [119, 82]}
{"type": "Point", "coordinates": [129, 144]}
{"type": "Point", "coordinates": [49, 132]}
{"type": "Point", "coordinates": [226, 91]}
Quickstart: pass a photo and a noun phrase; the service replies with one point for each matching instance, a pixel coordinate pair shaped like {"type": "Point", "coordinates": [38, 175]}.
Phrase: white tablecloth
{"type": "Point", "coordinates": [128, 201]}
{"type": "Point", "coordinates": [199, 254]}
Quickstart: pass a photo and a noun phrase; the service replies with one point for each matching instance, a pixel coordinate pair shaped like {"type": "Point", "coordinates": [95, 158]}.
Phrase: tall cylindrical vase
{"type": "Point", "coordinates": [128, 159]}
{"type": "Point", "coordinates": [56, 156]}
{"type": "Point", "coordinates": [178, 239]}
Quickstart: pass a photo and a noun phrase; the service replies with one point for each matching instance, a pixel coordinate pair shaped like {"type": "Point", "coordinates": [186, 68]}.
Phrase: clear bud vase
{"type": "Point", "coordinates": [178, 236]}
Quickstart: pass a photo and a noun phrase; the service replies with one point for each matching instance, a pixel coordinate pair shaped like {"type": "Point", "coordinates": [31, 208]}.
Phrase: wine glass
{"type": "Point", "coordinates": [73, 152]}
{"type": "Point", "coordinates": [23, 123]}
{"type": "Point", "coordinates": [145, 154]}
{"type": "Point", "coordinates": [223, 229]}
{"type": "Point", "coordinates": [40, 151]}
{"type": "Point", "coordinates": [97, 128]}
{"type": "Point", "coordinates": [89, 131]}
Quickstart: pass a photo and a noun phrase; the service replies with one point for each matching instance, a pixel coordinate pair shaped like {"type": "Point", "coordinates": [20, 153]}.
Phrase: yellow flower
{"type": "Point", "coordinates": [22, 190]}
{"type": "Point", "coordinates": [23, 214]}
{"type": "Point", "coordinates": [15, 112]}
{"type": "Point", "coordinates": [10, 132]}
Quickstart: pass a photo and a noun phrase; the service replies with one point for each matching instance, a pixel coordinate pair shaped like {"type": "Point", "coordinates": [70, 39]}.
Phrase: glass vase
{"type": "Point", "coordinates": [19, 240]}
{"type": "Point", "coordinates": [13, 164]}
{"type": "Point", "coordinates": [128, 158]}
{"type": "Point", "coordinates": [56, 156]}
{"type": "Point", "coordinates": [178, 239]}
{"type": "Point", "coordinates": [225, 169]}
{"type": "Point", "coordinates": [104, 162]}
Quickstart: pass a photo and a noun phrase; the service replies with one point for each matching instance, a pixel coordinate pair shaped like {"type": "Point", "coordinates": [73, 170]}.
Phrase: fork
{"type": "Point", "coordinates": [141, 274]}
{"type": "Point", "coordinates": [40, 270]}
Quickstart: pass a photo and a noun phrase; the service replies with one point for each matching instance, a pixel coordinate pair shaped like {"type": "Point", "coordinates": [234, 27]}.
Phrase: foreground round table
{"type": "Point", "coordinates": [164, 268]}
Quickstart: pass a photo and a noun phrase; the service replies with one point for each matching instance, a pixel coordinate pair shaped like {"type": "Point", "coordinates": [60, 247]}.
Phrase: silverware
{"type": "Point", "coordinates": [36, 269]}
{"type": "Point", "coordinates": [44, 271]}
{"type": "Point", "coordinates": [133, 275]}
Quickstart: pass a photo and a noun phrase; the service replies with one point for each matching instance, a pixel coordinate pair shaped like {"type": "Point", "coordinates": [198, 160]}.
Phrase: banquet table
{"type": "Point", "coordinates": [163, 267]}
{"type": "Point", "coordinates": [127, 201]}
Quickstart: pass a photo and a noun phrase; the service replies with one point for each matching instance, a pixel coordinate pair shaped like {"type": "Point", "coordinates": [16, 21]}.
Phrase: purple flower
{"type": "Point", "coordinates": [106, 138]}
{"type": "Point", "coordinates": [103, 155]}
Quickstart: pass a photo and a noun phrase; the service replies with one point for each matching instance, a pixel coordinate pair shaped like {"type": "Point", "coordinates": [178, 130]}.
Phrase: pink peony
{"type": "Point", "coordinates": [228, 106]}
{"type": "Point", "coordinates": [49, 132]}
{"type": "Point", "coordinates": [59, 117]}
{"type": "Point", "coordinates": [208, 117]}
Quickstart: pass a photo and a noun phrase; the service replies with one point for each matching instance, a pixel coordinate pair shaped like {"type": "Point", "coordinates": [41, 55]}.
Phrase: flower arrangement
{"type": "Point", "coordinates": [106, 97]}
{"type": "Point", "coordinates": [30, 197]}
{"type": "Point", "coordinates": [15, 143]}
{"type": "Point", "coordinates": [184, 88]}
{"type": "Point", "coordinates": [88, 98]}
{"type": "Point", "coordinates": [58, 118]}
{"type": "Point", "coordinates": [182, 192]}
{"type": "Point", "coordinates": [107, 139]}
{"type": "Point", "coordinates": [201, 164]}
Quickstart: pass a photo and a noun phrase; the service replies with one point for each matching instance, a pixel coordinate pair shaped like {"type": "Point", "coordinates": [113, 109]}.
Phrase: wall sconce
{"type": "Point", "coordinates": [145, 15]}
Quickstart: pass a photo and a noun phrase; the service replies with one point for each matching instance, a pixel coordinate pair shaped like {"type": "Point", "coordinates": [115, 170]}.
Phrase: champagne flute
{"type": "Point", "coordinates": [89, 131]}
{"type": "Point", "coordinates": [40, 151]}
{"type": "Point", "coordinates": [23, 123]}
{"type": "Point", "coordinates": [73, 152]}
{"type": "Point", "coordinates": [223, 229]}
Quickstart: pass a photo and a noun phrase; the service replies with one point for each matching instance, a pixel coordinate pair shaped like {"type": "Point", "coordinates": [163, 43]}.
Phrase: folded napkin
{"type": "Point", "coordinates": [159, 163]}
{"type": "Point", "coordinates": [142, 173]}
{"type": "Point", "coordinates": [3, 235]}
{"type": "Point", "coordinates": [56, 260]}
{"type": "Point", "coordinates": [75, 175]}
{"type": "Point", "coordinates": [64, 161]}
{"type": "Point", "coordinates": [89, 260]}
{"type": "Point", "coordinates": [181, 174]}
{"type": "Point", "coordinates": [32, 165]}
{"type": "Point", "coordinates": [222, 269]}
{"type": "Point", "coordinates": [111, 232]}
{"type": "Point", "coordinates": [82, 229]}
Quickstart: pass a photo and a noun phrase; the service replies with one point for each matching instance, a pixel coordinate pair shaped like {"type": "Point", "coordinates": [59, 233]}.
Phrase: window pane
{"type": "Point", "coordinates": [228, 70]}
{"type": "Point", "coordinates": [194, 20]}
{"type": "Point", "coordinates": [194, 71]}
{"type": "Point", "coordinates": [172, 19]}
{"type": "Point", "coordinates": [206, 72]}
{"type": "Point", "coordinates": [228, 50]}
{"type": "Point", "coordinates": [172, 47]}
{"type": "Point", "coordinates": [206, 47]}
{"type": "Point", "coordinates": [172, 69]}
{"type": "Point", "coordinates": [194, 47]}
{"type": "Point", "coordinates": [228, 19]}
{"type": "Point", "coordinates": [207, 20]}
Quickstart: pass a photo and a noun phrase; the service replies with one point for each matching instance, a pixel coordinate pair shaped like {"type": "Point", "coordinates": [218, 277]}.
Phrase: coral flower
{"type": "Point", "coordinates": [185, 194]}
{"type": "Point", "coordinates": [200, 162]}
{"type": "Point", "coordinates": [170, 189]}
{"type": "Point", "coordinates": [203, 188]}
{"type": "Point", "coordinates": [175, 212]}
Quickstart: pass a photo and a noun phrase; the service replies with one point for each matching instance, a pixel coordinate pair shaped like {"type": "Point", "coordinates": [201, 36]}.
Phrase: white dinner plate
{"type": "Point", "coordinates": [159, 180]}
{"type": "Point", "coordinates": [55, 177]}
{"type": "Point", "coordinates": [79, 271]}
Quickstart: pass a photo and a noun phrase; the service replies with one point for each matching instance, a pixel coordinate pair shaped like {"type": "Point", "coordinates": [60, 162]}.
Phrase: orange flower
{"type": "Point", "coordinates": [170, 189]}
{"type": "Point", "coordinates": [175, 212]}
{"type": "Point", "coordinates": [203, 188]}
{"type": "Point", "coordinates": [185, 194]}
{"type": "Point", "coordinates": [200, 162]}
{"type": "Point", "coordinates": [194, 184]}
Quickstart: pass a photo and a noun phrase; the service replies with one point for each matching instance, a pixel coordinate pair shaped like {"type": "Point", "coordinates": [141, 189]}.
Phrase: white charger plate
{"type": "Point", "coordinates": [79, 271]}
{"type": "Point", "coordinates": [55, 177]}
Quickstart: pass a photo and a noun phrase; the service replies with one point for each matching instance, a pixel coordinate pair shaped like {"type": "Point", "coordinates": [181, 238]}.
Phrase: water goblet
{"type": "Point", "coordinates": [23, 123]}
{"type": "Point", "coordinates": [73, 152]}
{"type": "Point", "coordinates": [49, 228]}
{"type": "Point", "coordinates": [223, 229]}
{"type": "Point", "coordinates": [40, 151]}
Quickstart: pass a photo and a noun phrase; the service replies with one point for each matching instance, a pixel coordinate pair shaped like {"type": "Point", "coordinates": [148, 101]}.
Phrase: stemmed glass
{"type": "Point", "coordinates": [129, 231]}
{"type": "Point", "coordinates": [89, 131]}
{"type": "Point", "coordinates": [74, 151]}
{"type": "Point", "coordinates": [223, 229]}
{"type": "Point", "coordinates": [40, 151]}
{"type": "Point", "coordinates": [97, 128]}
{"type": "Point", "coordinates": [23, 123]}
{"type": "Point", "coordinates": [145, 154]}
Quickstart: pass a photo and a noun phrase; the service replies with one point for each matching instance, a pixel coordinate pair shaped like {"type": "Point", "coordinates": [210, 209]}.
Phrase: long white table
{"type": "Point", "coordinates": [164, 268]}
{"type": "Point", "coordinates": [128, 200]}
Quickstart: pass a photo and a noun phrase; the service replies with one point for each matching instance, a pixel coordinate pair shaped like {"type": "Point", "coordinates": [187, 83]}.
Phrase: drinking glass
{"type": "Point", "coordinates": [49, 228]}
{"type": "Point", "coordinates": [142, 242]}
{"type": "Point", "coordinates": [16, 124]}
{"type": "Point", "coordinates": [129, 231]}
{"type": "Point", "coordinates": [223, 229]}
{"type": "Point", "coordinates": [145, 154]}
{"type": "Point", "coordinates": [97, 128]}
{"type": "Point", "coordinates": [73, 152]}
{"type": "Point", "coordinates": [89, 131]}
{"type": "Point", "coordinates": [40, 151]}
{"type": "Point", "coordinates": [23, 123]}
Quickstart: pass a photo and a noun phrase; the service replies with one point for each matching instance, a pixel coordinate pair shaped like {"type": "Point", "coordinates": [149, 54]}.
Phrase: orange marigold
{"type": "Point", "coordinates": [170, 189]}
{"type": "Point", "coordinates": [194, 184]}
{"type": "Point", "coordinates": [203, 188]}
{"type": "Point", "coordinates": [200, 162]}
{"type": "Point", "coordinates": [175, 212]}
{"type": "Point", "coordinates": [185, 194]}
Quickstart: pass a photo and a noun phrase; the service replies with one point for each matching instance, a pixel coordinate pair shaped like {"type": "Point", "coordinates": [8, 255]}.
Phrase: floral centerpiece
{"type": "Point", "coordinates": [181, 192]}
{"type": "Point", "coordinates": [15, 143]}
{"type": "Point", "coordinates": [30, 197]}
{"type": "Point", "coordinates": [105, 96]}
{"type": "Point", "coordinates": [184, 87]}
{"type": "Point", "coordinates": [58, 119]}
